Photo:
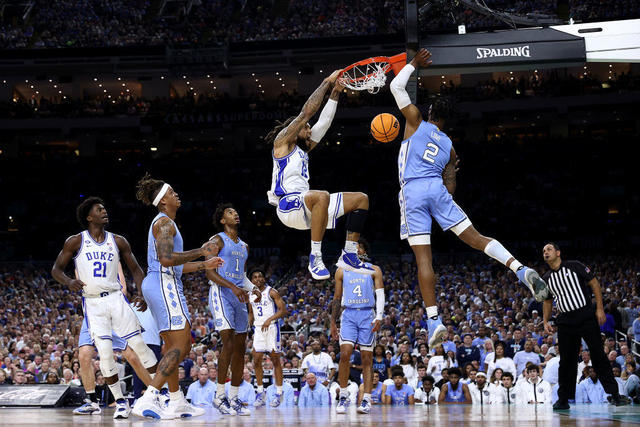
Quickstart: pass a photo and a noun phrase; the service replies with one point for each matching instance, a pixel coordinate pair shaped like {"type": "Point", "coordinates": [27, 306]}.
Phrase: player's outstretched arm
{"type": "Point", "coordinates": [71, 246]}
{"type": "Point", "coordinates": [164, 231]}
{"type": "Point", "coordinates": [288, 135]}
{"type": "Point", "coordinates": [449, 172]}
{"type": "Point", "coordinates": [323, 124]}
{"type": "Point", "coordinates": [398, 89]}
{"type": "Point", "coordinates": [378, 285]}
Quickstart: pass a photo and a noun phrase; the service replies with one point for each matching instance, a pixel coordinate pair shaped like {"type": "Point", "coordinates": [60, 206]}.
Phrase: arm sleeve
{"type": "Point", "coordinates": [379, 304]}
{"type": "Point", "coordinates": [398, 86]}
{"type": "Point", "coordinates": [324, 121]}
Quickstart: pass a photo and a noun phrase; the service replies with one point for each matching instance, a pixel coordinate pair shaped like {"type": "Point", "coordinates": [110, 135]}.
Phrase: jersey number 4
{"type": "Point", "coordinates": [99, 269]}
{"type": "Point", "coordinates": [357, 291]}
{"type": "Point", "coordinates": [431, 152]}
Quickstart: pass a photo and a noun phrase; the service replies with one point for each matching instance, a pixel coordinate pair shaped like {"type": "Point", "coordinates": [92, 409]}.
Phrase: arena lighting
{"type": "Point", "coordinates": [277, 73]}
{"type": "Point", "coordinates": [161, 77]}
{"type": "Point", "coordinates": [208, 76]}
{"type": "Point", "coordinates": [188, 83]}
{"type": "Point", "coordinates": [119, 79]}
{"type": "Point", "coordinates": [26, 81]}
{"type": "Point", "coordinates": [154, 148]}
{"type": "Point", "coordinates": [94, 79]}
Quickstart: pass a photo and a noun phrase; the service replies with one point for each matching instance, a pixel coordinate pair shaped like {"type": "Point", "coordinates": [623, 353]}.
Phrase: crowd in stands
{"type": "Point", "coordinates": [496, 339]}
{"type": "Point", "coordinates": [84, 23]}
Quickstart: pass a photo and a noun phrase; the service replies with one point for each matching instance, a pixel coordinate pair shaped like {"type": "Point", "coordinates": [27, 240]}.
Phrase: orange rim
{"type": "Point", "coordinates": [395, 62]}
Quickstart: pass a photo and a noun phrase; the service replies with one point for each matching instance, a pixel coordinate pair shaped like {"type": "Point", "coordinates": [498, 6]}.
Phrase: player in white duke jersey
{"type": "Point", "coordinates": [427, 165]}
{"type": "Point", "coordinates": [265, 315]}
{"type": "Point", "coordinates": [163, 291]}
{"type": "Point", "coordinates": [356, 295]}
{"type": "Point", "coordinates": [301, 208]}
{"type": "Point", "coordinates": [228, 298]}
{"type": "Point", "coordinates": [106, 309]}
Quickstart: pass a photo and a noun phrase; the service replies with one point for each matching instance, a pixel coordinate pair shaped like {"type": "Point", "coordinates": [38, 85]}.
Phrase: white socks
{"type": "Point", "coordinates": [367, 397]}
{"type": "Point", "coordinates": [220, 391]}
{"type": "Point", "coordinates": [344, 392]}
{"type": "Point", "coordinates": [175, 395]}
{"type": "Point", "coordinates": [233, 391]}
{"type": "Point", "coordinates": [116, 390]}
{"type": "Point", "coordinates": [496, 251]}
{"type": "Point", "coordinates": [432, 311]}
{"type": "Point", "coordinates": [350, 247]}
{"type": "Point", "coordinates": [278, 389]}
{"type": "Point", "coordinates": [261, 389]}
{"type": "Point", "coordinates": [316, 248]}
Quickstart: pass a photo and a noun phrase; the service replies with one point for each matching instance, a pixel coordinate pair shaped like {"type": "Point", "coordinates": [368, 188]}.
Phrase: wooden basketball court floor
{"type": "Point", "coordinates": [520, 416]}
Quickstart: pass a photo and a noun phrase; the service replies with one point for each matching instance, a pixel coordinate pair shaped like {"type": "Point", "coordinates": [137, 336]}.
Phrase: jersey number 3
{"type": "Point", "coordinates": [431, 152]}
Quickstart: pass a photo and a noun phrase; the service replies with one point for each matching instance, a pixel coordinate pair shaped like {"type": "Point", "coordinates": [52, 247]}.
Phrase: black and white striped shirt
{"type": "Point", "coordinates": [569, 286]}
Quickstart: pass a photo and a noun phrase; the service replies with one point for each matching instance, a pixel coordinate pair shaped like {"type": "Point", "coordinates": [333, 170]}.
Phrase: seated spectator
{"type": "Point", "coordinates": [105, 398]}
{"type": "Point", "coordinates": [203, 391]}
{"type": "Point", "coordinates": [527, 355]}
{"type": "Point", "coordinates": [20, 378]}
{"type": "Point", "coordinates": [67, 378]}
{"type": "Point", "coordinates": [481, 390]}
{"type": "Point", "coordinates": [427, 393]}
{"type": "Point", "coordinates": [3, 377]}
{"type": "Point", "coordinates": [421, 371]}
{"type": "Point", "coordinates": [590, 389]}
{"type": "Point", "coordinates": [498, 359]}
{"type": "Point", "coordinates": [467, 352]}
{"type": "Point", "coordinates": [612, 356]}
{"type": "Point", "coordinates": [454, 392]}
{"type": "Point", "coordinates": [444, 379]}
{"type": "Point", "coordinates": [246, 392]}
{"type": "Point", "coordinates": [183, 382]}
{"type": "Point", "coordinates": [287, 400]}
{"type": "Point", "coordinates": [399, 394]}
{"type": "Point", "coordinates": [377, 390]}
{"type": "Point", "coordinates": [550, 373]}
{"type": "Point", "coordinates": [496, 377]}
{"type": "Point", "coordinates": [380, 363]}
{"type": "Point", "coordinates": [505, 392]}
{"type": "Point", "coordinates": [438, 362]}
{"type": "Point", "coordinates": [313, 394]}
{"type": "Point", "coordinates": [586, 361]}
{"type": "Point", "coordinates": [631, 382]}
{"type": "Point", "coordinates": [534, 390]}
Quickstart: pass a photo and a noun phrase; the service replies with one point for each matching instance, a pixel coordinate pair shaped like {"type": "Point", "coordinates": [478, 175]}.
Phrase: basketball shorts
{"type": "Point", "coordinates": [356, 327]}
{"type": "Point", "coordinates": [293, 212]}
{"type": "Point", "coordinates": [228, 312]}
{"type": "Point", "coordinates": [110, 314]}
{"type": "Point", "coordinates": [165, 298]}
{"type": "Point", "coordinates": [423, 199]}
{"type": "Point", "coordinates": [269, 341]}
{"type": "Point", "coordinates": [85, 338]}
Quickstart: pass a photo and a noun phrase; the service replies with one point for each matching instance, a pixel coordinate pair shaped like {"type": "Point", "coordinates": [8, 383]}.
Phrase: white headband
{"type": "Point", "coordinates": [161, 194]}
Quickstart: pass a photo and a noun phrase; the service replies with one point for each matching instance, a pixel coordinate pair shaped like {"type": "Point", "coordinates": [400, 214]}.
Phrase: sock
{"type": "Point", "coordinates": [91, 395]}
{"type": "Point", "coordinates": [496, 251]}
{"type": "Point", "coordinates": [350, 246]}
{"type": "Point", "coordinates": [432, 312]}
{"type": "Point", "coordinates": [220, 393]}
{"type": "Point", "coordinates": [116, 390]}
{"type": "Point", "coordinates": [233, 391]}
{"type": "Point", "coordinates": [316, 248]}
{"type": "Point", "coordinates": [278, 389]}
{"type": "Point", "coordinates": [355, 221]}
{"type": "Point", "coordinates": [260, 389]}
{"type": "Point", "coordinates": [367, 397]}
{"type": "Point", "coordinates": [151, 389]}
{"type": "Point", "coordinates": [175, 395]}
{"type": "Point", "coordinates": [344, 392]}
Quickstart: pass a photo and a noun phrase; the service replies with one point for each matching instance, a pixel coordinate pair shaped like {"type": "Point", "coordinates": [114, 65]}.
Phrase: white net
{"type": "Point", "coordinates": [371, 76]}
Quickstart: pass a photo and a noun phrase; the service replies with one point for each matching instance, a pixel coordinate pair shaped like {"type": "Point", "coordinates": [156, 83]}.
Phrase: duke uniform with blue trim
{"type": "Point", "coordinates": [106, 309]}
{"type": "Point", "coordinates": [227, 310]}
{"type": "Point", "coordinates": [162, 287]}
{"type": "Point", "coordinates": [421, 161]}
{"type": "Point", "coordinates": [289, 185]}
{"type": "Point", "coordinates": [358, 300]}
{"type": "Point", "coordinates": [269, 341]}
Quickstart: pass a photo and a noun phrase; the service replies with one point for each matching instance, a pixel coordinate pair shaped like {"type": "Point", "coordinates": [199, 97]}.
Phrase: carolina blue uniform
{"type": "Point", "coordinates": [358, 300]}
{"type": "Point", "coordinates": [454, 395]}
{"type": "Point", "coordinates": [400, 397]}
{"type": "Point", "coordinates": [376, 393]}
{"type": "Point", "coordinates": [162, 287]}
{"type": "Point", "coordinates": [227, 310]}
{"type": "Point", "coordinates": [421, 161]}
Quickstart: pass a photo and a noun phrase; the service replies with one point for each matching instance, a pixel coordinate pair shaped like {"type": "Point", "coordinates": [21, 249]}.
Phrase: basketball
{"type": "Point", "coordinates": [385, 127]}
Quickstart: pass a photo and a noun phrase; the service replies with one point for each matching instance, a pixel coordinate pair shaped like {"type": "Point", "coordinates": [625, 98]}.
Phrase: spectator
{"type": "Point", "coordinates": [505, 392]}
{"type": "Point", "coordinates": [631, 382]}
{"type": "Point", "coordinates": [586, 361]}
{"type": "Point", "coordinates": [246, 392]}
{"type": "Point", "coordinates": [467, 352]}
{"type": "Point", "coordinates": [67, 378]}
{"type": "Point", "coordinates": [515, 344]}
{"type": "Point", "coordinates": [288, 397]}
{"type": "Point", "coordinates": [313, 394]}
{"type": "Point", "coordinates": [427, 394]}
{"type": "Point", "coordinates": [624, 350]}
{"type": "Point", "coordinates": [534, 390]}
{"type": "Point", "coordinates": [454, 392]}
{"type": "Point", "coordinates": [482, 337]}
{"type": "Point", "coordinates": [377, 389]}
{"type": "Point", "coordinates": [481, 390]}
{"type": "Point", "coordinates": [19, 378]}
{"type": "Point", "coordinates": [550, 373]}
{"type": "Point", "coordinates": [527, 355]}
{"type": "Point", "coordinates": [380, 363]}
{"type": "Point", "coordinates": [496, 376]}
{"type": "Point", "coordinates": [183, 382]}
{"type": "Point", "coordinates": [498, 359]}
{"type": "Point", "coordinates": [408, 367]}
{"type": "Point", "coordinates": [203, 391]}
{"type": "Point", "coordinates": [485, 349]}
{"type": "Point", "coordinates": [319, 363]}
{"type": "Point", "coordinates": [590, 389]}
{"type": "Point", "coordinates": [399, 394]}
{"type": "Point", "coordinates": [444, 379]}
{"type": "Point", "coordinates": [612, 356]}
{"type": "Point", "coordinates": [3, 377]}
{"type": "Point", "coordinates": [438, 362]}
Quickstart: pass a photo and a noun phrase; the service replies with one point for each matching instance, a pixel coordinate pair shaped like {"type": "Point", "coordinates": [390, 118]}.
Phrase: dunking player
{"type": "Point", "coordinates": [427, 171]}
{"type": "Point", "coordinates": [301, 208]}
{"type": "Point", "coordinates": [358, 324]}
{"type": "Point", "coordinates": [228, 299]}
{"type": "Point", "coordinates": [86, 348]}
{"type": "Point", "coordinates": [265, 314]}
{"type": "Point", "coordinates": [164, 294]}
{"type": "Point", "coordinates": [106, 310]}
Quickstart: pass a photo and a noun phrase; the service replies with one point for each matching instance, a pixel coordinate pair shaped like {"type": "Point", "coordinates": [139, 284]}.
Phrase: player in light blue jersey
{"type": "Point", "coordinates": [164, 294]}
{"type": "Point", "coordinates": [427, 166]}
{"type": "Point", "coordinates": [301, 208]}
{"type": "Point", "coordinates": [228, 298]}
{"type": "Point", "coordinates": [358, 324]}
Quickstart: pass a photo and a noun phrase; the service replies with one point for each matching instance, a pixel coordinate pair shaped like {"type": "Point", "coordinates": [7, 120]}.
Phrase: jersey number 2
{"type": "Point", "coordinates": [431, 152]}
{"type": "Point", "coordinates": [99, 269]}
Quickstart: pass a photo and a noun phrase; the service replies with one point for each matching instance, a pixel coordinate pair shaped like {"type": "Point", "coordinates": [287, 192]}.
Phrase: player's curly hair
{"type": "Point", "coordinates": [83, 210]}
{"type": "Point", "coordinates": [256, 270]}
{"type": "Point", "coordinates": [219, 213]}
{"type": "Point", "coordinates": [271, 136]}
{"type": "Point", "coordinates": [147, 189]}
{"type": "Point", "coordinates": [365, 245]}
{"type": "Point", "coordinates": [440, 108]}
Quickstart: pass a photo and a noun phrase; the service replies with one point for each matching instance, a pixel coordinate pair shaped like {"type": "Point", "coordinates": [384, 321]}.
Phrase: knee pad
{"type": "Point", "coordinates": [105, 350]}
{"type": "Point", "coordinates": [144, 353]}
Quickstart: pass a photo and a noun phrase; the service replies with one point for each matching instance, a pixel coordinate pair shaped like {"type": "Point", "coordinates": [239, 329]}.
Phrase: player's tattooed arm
{"type": "Point", "coordinates": [71, 246]}
{"type": "Point", "coordinates": [289, 134]}
{"type": "Point", "coordinates": [164, 231]}
{"type": "Point", "coordinates": [449, 173]}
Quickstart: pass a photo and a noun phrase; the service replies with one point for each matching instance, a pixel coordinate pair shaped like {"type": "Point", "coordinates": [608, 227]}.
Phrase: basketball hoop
{"type": "Point", "coordinates": [371, 73]}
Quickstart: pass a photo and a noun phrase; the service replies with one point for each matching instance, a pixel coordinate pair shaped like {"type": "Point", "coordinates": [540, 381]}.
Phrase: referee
{"type": "Point", "coordinates": [569, 283]}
